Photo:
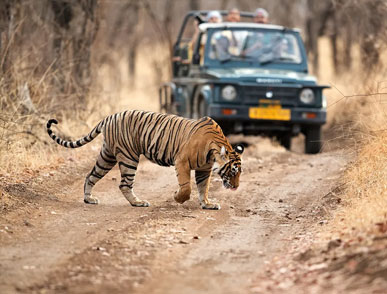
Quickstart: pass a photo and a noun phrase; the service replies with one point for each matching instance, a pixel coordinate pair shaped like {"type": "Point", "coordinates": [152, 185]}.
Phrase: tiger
{"type": "Point", "coordinates": [167, 140]}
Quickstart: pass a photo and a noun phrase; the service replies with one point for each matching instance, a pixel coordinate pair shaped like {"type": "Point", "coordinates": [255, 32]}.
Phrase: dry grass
{"type": "Point", "coordinates": [357, 102]}
{"type": "Point", "coordinates": [357, 121]}
{"type": "Point", "coordinates": [24, 143]}
{"type": "Point", "coordinates": [365, 196]}
{"type": "Point", "coordinates": [360, 125]}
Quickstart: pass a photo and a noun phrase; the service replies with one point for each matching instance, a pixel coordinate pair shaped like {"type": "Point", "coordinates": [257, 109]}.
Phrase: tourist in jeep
{"type": "Point", "coordinates": [214, 16]}
{"type": "Point", "coordinates": [234, 15]}
{"type": "Point", "coordinates": [261, 16]}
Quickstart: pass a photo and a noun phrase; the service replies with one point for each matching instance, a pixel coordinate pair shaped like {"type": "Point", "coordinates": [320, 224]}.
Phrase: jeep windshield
{"type": "Point", "coordinates": [257, 47]}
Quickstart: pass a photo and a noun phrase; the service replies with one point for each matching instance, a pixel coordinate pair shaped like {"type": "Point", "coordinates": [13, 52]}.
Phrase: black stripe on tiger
{"type": "Point", "coordinates": [201, 176]}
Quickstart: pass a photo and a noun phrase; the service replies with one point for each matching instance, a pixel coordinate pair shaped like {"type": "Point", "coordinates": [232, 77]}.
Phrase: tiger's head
{"type": "Point", "coordinates": [228, 166]}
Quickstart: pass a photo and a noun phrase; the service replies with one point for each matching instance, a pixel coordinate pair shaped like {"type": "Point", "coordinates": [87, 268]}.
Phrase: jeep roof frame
{"type": "Point", "coordinates": [201, 13]}
{"type": "Point", "coordinates": [231, 25]}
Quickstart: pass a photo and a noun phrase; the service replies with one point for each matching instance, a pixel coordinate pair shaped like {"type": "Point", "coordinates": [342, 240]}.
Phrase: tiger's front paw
{"type": "Point", "coordinates": [213, 206]}
{"type": "Point", "coordinates": [181, 198]}
{"type": "Point", "coordinates": [90, 200]}
{"type": "Point", "coordinates": [140, 203]}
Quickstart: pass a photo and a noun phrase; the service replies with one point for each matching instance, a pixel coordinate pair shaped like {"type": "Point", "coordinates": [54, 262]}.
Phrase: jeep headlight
{"type": "Point", "coordinates": [229, 93]}
{"type": "Point", "coordinates": [307, 96]}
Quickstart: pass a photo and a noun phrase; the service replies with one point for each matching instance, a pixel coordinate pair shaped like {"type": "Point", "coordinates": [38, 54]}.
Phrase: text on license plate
{"type": "Point", "coordinates": [273, 113]}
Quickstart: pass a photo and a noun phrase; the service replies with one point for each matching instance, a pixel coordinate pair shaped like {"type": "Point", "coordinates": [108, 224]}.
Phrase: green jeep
{"type": "Point", "coordinates": [250, 78]}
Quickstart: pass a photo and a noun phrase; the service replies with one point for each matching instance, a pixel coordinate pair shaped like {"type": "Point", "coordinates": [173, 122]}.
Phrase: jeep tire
{"type": "Point", "coordinates": [312, 139]}
{"type": "Point", "coordinates": [285, 140]}
{"type": "Point", "coordinates": [202, 108]}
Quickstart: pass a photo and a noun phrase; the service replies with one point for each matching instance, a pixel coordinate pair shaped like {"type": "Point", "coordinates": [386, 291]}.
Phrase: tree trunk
{"type": "Point", "coordinates": [82, 47]}
{"type": "Point", "coordinates": [132, 57]}
{"type": "Point", "coordinates": [348, 42]}
{"type": "Point", "coordinates": [333, 39]}
{"type": "Point", "coordinates": [74, 32]}
{"type": "Point", "coordinates": [311, 44]}
{"type": "Point", "coordinates": [7, 25]}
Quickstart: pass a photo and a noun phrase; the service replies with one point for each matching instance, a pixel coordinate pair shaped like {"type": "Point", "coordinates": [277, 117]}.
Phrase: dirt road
{"type": "Point", "coordinates": [57, 244]}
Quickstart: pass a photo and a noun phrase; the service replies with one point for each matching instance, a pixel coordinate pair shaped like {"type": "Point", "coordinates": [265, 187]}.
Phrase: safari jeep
{"type": "Point", "coordinates": [250, 78]}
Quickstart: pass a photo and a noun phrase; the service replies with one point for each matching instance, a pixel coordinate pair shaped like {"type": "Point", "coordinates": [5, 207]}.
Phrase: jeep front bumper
{"type": "Point", "coordinates": [237, 118]}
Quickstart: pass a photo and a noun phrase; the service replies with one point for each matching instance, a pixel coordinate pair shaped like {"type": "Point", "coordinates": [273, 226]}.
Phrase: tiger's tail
{"type": "Point", "coordinates": [78, 143]}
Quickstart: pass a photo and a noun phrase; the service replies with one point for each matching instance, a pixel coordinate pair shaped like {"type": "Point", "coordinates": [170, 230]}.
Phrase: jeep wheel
{"type": "Point", "coordinates": [312, 139]}
{"type": "Point", "coordinates": [202, 108]}
{"type": "Point", "coordinates": [285, 140]}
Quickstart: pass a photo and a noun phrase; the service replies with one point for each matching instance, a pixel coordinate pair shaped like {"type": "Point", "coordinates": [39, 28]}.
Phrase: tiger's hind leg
{"type": "Point", "coordinates": [105, 162]}
{"type": "Point", "coordinates": [128, 169]}
{"type": "Point", "coordinates": [202, 178]}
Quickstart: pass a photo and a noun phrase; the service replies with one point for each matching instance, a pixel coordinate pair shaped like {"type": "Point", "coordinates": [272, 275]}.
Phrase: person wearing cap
{"type": "Point", "coordinates": [214, 17]}
{"type": "Point", "coordinates": [261, 16]}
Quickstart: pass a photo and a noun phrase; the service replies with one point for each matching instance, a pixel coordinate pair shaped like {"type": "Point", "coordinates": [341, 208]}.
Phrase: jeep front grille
{"type": "Point", "coordinates": [287, 96]}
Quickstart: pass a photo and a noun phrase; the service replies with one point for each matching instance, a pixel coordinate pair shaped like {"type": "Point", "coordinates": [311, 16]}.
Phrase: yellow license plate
{"type": "Point", "coordinates": [272, 113]}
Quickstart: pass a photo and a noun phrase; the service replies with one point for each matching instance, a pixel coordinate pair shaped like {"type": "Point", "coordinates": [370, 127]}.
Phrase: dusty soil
{"type": "Point", "coordinates": [51, 242]}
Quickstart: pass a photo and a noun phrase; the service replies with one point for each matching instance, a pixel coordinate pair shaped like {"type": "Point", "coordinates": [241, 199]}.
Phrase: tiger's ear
{"type": "Point", "coordinates": [223, 152]}
{"type": "Point", "coordinates": [239, 148]}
